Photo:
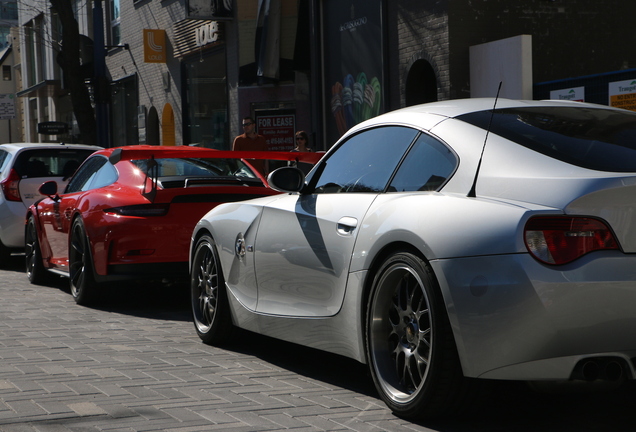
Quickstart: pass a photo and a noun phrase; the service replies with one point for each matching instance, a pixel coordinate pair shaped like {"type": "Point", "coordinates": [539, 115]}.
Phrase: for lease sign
{"type": "Point", "coordinates": [622, 94]}
{"type": "Point", "coordinates": [278, 130]}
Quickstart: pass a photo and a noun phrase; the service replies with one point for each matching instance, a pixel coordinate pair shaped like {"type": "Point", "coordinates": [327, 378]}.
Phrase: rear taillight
{"type": "Point", "coordinates": [560, 240]}
{"type": "Point", "coordinates": [140, 210]}
{"type": "Point", "coordinates": [10, 186]}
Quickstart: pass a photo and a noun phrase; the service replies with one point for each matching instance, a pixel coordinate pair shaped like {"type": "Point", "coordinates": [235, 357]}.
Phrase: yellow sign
{"type": "Point", "coordinates": [622, 94]}
{"type": "Point", "coordinates": [154, 46]}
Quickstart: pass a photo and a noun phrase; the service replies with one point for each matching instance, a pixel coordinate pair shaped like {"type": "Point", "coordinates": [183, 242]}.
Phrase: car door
{"type": "Point", "coordinates": [57, 218]}
{"type": "Point", "coordinates": [304, 242]}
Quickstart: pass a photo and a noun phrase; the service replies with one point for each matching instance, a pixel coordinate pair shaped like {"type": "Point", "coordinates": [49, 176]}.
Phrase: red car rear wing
{"type": "Point", "coordinates": [157, 152]}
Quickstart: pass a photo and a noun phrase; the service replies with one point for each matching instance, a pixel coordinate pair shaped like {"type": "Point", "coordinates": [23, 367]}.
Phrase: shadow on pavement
{"type": "Point", "coordinates": [312, 363]}
{"type": "Point", "coordinates": [513, 406]}
{"type": "Point", "coordinates": [146, 300]}
{"type": "Point", "coordinates": [506, 406]}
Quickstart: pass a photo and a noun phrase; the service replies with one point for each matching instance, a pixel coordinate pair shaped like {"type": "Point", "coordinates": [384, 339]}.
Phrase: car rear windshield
{"type": "Point", "coordinates": [50, 162]}
{"type": "Point", "coordinates": [198, 167]}
{"type": "Point", "coordinates": [598, 139]}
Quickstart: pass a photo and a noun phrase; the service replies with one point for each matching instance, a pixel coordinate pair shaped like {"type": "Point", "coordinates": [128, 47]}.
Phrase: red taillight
{"type": "Point", "coordinates": [10, 186]}
{"type": "Point", "coordinates": [140, 210]}
{"type": "Point", "coordinates": [560, 240]}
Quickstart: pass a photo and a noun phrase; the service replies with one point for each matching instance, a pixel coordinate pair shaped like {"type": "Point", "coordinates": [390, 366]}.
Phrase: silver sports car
{"type": "Point", "coordinates": [462, 239]}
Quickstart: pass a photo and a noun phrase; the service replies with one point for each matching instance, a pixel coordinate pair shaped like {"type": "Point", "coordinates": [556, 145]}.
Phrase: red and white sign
{"type": "Point", "coordinates": [279, 131]}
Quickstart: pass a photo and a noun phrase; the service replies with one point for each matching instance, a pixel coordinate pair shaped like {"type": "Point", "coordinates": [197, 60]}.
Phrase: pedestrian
{"type": "Point", "coordinates": [302, 145]}
{"type": "Point", "coordinates": [302, 142]}
{"type": "Point", "coordinates": [249, 140]}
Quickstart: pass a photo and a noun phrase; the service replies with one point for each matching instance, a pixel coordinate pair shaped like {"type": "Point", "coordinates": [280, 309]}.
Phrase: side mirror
{"type": "Point", "coordinates": [286, 179]}
{"type": "Point", "coordinates": [48, 188]}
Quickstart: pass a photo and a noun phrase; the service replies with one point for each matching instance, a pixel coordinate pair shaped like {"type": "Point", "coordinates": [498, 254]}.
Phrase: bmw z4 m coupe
{"type": "Point", "coordinates": [440, 244]}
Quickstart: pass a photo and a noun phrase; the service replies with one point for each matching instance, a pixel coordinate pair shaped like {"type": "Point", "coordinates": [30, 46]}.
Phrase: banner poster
{"type": "Point", "coordinates": [353, 64]}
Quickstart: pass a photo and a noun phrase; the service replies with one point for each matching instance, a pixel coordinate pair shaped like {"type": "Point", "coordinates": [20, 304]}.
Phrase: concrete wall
{"type": "Point", "coordinates": [507, 62]}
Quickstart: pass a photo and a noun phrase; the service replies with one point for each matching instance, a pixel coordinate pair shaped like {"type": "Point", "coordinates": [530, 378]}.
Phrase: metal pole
{"type": "Point", "coordinates": [100, 83]}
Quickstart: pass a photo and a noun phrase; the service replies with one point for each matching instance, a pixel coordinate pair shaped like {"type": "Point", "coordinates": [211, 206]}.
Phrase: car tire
{"type": "Point", "coordinates": [35, 270]}
{"type": "Point", "coordinates": [5, 253]}
{"type": "Point", "coordinates": [210, 306]}
{"type": "Point", "coordinates": [83, 286]}
{"type": "Point", "coordinates": [410, 346]}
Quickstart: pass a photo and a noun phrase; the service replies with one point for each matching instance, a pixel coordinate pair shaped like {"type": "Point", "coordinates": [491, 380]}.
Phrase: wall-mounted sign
{"type": "Point", "coordinates": [207, 33]}
{"type": "Point", "coordinates": [154, 46]}
{"type": "Point", "coordinates": [278, 127]}
{"type": "Point", "coordinates": [193, 36]}
{"type": "Point", "coordinates": [622, 94]}
{"type": "Point", "coordinates": [570, 94]}
{"type": "Point", "coordinates": [7, 106]}
{"type": "Point", "coordinates": [52, 128]}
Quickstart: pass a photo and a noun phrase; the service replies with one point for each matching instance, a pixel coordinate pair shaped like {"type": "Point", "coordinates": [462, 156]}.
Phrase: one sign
{"type": "Point", "coordinates": [571, 94]}
{"type": "Point", "coordinates": [7, 106]}
{"type": "Point", "coordinates": [207, 33]}
{"type": "Point", "coordinates": [278, 130]}
{"type": "Point", "coordinates": [154, 46]}
{"type": "Point", "coordinates": [622, 94]}
{"type": "Point", "coordinates": [52, 128]}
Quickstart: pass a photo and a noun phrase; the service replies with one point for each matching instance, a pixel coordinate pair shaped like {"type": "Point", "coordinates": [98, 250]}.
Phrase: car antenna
{"type": "Point", "coordinates": [472, 194]}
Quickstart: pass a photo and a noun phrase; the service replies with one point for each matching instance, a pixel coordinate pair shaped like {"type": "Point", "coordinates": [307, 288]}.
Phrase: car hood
{"type": "Point", "coordinates": [615, 202]}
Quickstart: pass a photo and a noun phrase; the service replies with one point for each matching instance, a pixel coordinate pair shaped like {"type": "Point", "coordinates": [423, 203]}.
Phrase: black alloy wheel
{"type": "Point", "coordinates": [35, 270]}
{"type": "Point", "coordinates": [210, 307]}
{"type": "Point", "coordinates": [410, 347]}
{"type": "Point", "coordinates": [83, 286]}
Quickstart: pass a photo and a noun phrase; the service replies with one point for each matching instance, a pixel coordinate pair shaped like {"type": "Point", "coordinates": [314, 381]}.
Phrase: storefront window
{"type": "Point", "coordinates": [124, 103]}
{"type": "Point", "coordinates": [205, 105]}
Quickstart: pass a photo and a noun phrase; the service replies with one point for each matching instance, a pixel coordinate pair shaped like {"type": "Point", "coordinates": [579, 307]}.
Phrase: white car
{"type": "Point", "coordinates": [23, 169]}
{"type": "Point", "coordinates": [442, 242]}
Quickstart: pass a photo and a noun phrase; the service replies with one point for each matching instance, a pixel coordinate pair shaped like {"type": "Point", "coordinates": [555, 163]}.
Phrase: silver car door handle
{"type": "Point", "coordinates": [346, 225]}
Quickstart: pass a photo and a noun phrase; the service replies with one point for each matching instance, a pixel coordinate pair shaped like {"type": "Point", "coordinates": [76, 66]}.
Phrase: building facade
{"type": "Point", "coordinates": [10, 119]}
{"type": "Point", "coordinates": [187, 71]}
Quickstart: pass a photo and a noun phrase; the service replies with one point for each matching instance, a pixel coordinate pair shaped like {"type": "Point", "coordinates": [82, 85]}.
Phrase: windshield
{"type": "Point", "coordinates": [598, 139]}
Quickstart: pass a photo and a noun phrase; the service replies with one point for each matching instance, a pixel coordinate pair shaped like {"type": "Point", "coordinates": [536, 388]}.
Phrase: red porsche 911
{"type": "Point", "coordinates": [128, 213]}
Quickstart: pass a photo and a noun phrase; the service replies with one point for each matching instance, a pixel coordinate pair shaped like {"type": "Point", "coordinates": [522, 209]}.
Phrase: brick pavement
{"type": "Point", "coordinates": [137, 365]}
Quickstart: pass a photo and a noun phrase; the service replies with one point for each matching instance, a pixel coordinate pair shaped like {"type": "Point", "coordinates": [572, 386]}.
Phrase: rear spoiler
{"type": "Point", "coordinates": [157, 152]}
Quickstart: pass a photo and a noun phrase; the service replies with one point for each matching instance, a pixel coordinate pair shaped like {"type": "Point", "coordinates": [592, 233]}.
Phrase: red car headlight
{"type": "Point", "coordinates": [140, 210]}
{"type": "Point", "coordinates": [560, 240]}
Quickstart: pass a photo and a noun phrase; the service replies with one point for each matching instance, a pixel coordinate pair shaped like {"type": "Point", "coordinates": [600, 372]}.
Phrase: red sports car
{"type": "Point", "coordinates": [128, 213]}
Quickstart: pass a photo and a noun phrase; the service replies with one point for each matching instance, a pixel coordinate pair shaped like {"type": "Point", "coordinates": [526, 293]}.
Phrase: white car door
{"type": "Point", "coordinates": [304, 242]}
{"type": "Point", "coordinates": [303, 250]}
